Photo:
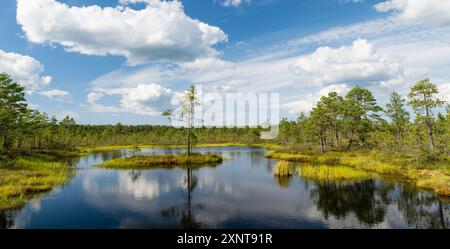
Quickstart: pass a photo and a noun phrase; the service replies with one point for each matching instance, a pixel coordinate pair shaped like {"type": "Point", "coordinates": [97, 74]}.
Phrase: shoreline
{"type": "Point", "coordinates": [432, 176]}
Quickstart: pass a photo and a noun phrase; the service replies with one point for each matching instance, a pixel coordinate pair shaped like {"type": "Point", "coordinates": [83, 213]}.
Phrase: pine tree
{"type": "Point", "coordinates": [423, 100]}
{"type": "Point", "coordinates": [396, 111]}
{"type": "Point", "coordinates": [12, 108]}
{"type": "Point", "coordinates": [360, 113]}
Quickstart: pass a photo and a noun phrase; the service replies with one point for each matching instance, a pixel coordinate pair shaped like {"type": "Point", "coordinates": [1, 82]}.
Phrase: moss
{"type": "Point", "coordinates": [30, 175]}
{"type": "Point", "coordinates": [169, 160]}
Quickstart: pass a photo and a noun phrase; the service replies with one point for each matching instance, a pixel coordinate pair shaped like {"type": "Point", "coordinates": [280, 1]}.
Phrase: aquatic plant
{"type": "Point", "coordinates": [285, 169]}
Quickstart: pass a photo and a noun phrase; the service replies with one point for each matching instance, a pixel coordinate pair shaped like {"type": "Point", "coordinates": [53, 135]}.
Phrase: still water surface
{"type": "Point", "coordinates": [239, 193]}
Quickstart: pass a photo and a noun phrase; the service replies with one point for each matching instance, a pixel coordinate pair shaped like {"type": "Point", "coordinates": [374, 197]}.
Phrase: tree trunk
{"type": "Point", "coordinates": [351, 140]}
{"type": "Point", "coordinates": [429, 125]}
{"type": "Point", "coordinates": [321, 142]}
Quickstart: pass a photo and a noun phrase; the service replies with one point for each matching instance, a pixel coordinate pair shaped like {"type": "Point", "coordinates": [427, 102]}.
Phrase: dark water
{"type": "Point", "coordinates": [239, 193]}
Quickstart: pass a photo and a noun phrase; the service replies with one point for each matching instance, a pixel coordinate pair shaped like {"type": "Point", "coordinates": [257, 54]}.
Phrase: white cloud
{"type": "Point", "coordinates": [309, 101]}
{"type": "Point", "coordinates": [55, 94]}
{"type": "Point", "coordinates": [358, 62]}
{"type": "Point", "coordinates": [406, 51]}
{"type": "Point", "coordinates": [144, 99]}
{"type": "Point", "coordinates": [435, 12]}
{"type": "Point", "coordinates": [159, 32]}
{"type": "Point", "coordinates": [24, 69]}
{"type": "Point", "coordinates": [444, 92]}
{"type": "Point", "coordinates": [233, 3]}
{"type": "Point", "coordinates": [207, 64]}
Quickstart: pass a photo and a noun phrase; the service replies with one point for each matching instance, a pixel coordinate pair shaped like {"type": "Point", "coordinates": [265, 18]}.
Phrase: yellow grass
{"type": "Point", "coordinates": [29, 177]}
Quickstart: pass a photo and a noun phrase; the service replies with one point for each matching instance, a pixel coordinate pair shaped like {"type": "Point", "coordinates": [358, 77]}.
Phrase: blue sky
{"type": "Point", "coordinates": [122, 62]}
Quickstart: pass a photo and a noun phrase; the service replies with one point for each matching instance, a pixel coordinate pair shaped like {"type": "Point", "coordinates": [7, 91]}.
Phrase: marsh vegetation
{"type": "Point", "coordinates": [168, 160]}
{"type": "Point", "coordinates": [343, 138]}
{"type": "Point", "coordinates": [28, 176]}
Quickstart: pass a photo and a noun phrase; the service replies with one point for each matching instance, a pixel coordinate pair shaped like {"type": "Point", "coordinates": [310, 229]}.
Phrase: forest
{"type": "Point", "coordinates": [354, 122]}
{"type": "Point", "coordinates": [351, 130]}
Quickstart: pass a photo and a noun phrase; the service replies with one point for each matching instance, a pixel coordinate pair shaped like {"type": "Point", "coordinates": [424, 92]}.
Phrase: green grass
{"type": "Point", "coordinates": [29, 176]}
{"type": "Point", "coordinates": [323, 172]}
{"type": "Point", "coordinates": [434, 176]}
{"type": "Point", "coordinates": [289, 157]}
{"type": "Point", "coordinates": [166, 161]}
{"type": "Point", "coordinates": [285, 169]}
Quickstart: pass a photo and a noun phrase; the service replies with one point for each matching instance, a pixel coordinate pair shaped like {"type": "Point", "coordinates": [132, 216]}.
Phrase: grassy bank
{"type": "Point", "coordinates": [167, 161]}
{"type": "Point", "coordinates": [433, 176]}
{"type": "Point", "coordinates": [321, 172]}
{"type": "Point", "coordinates": [63, 153]}
{"type": "Point", "coordinates": [29, 176]}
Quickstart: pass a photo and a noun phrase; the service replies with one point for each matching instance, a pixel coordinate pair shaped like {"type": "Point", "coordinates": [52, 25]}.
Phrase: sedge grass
{"type": "Point", "coordinates": [29, 176]}
{"type": "Point", "coordinates": [168, 160]}
{"type": "Point", "coordinates": [333, 172]}
{"type": "Point", "coordinates": [434, 176]}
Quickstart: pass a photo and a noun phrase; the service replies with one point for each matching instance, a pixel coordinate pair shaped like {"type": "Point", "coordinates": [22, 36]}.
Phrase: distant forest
{"type": "Point", "coordinates": [336, 123]}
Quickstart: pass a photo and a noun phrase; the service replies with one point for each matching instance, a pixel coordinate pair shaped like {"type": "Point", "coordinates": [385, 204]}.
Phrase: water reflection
{"type": "Point", "coordinates": [339, 200]}
{"type": "Point", "coordinates": [423, 209]}
{"type": "Point", "coordinates": [369, 202]}
{"type": "Point", "coordinates": [240, 193]}
{"type": "Point", "coordinates": [184, 212]}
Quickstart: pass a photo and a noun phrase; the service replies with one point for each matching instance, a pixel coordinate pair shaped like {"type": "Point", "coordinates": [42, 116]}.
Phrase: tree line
{"type": "Point", "coordinates": [356, 122]}
{"type": "Point", "coordinates": [336, 123]}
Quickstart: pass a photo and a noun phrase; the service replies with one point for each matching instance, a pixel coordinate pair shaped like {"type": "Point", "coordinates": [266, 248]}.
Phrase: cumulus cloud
{"type": "Point", "coordinates": [24, 69]}
{"type": "Point", "coordinates": [145, 99]}
{"type": "Point", "coordinates": [55, 94]}
{"type": "Point", "coordinates": [435, 12]}
{"type": "Point", "coordinates": [159, 32]}
{"type": "Point", "coordinates": [358, 62]}
{"type": "Point", "coordinates": [308, 102]}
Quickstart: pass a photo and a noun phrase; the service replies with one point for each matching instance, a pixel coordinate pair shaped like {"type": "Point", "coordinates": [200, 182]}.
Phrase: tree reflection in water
{"type": "Point", "coordinates": [423, 209]}
{"type": "Point", "coordinates": [340, 199]}
{"type": "Point", "coordinates": [184, 212]}
{"type": "Point", "coordinates": [369, 202]}
{"type": "Point", "coordinates": [6, 219]}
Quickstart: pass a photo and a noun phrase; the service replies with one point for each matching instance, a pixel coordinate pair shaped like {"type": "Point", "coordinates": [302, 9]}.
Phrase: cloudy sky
{"type": "Point", "coordinates": [108, 61]}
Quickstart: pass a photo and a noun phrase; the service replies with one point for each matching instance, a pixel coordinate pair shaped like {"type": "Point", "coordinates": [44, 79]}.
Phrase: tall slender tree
{"type": "Point", "coordinates": [186, 114]}
{"type": "Point", "coordinates": [319, 122]}
{"type": "Point", "coordinates": [396, 111]}
{"type": "Point", "coordinates": [423, 99]}
{"type": "Point", "coordinates": [360, 112]}
{"type": "Point", "coordinates": [333, 104]}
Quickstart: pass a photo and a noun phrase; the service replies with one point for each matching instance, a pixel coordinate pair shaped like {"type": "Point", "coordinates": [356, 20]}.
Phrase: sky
{"type": "Point", "coordinates": [109, 61]}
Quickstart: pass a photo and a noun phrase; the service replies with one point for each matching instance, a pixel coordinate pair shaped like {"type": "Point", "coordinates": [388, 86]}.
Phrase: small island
{"type": "Point", "coordinates": [166, 161]}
